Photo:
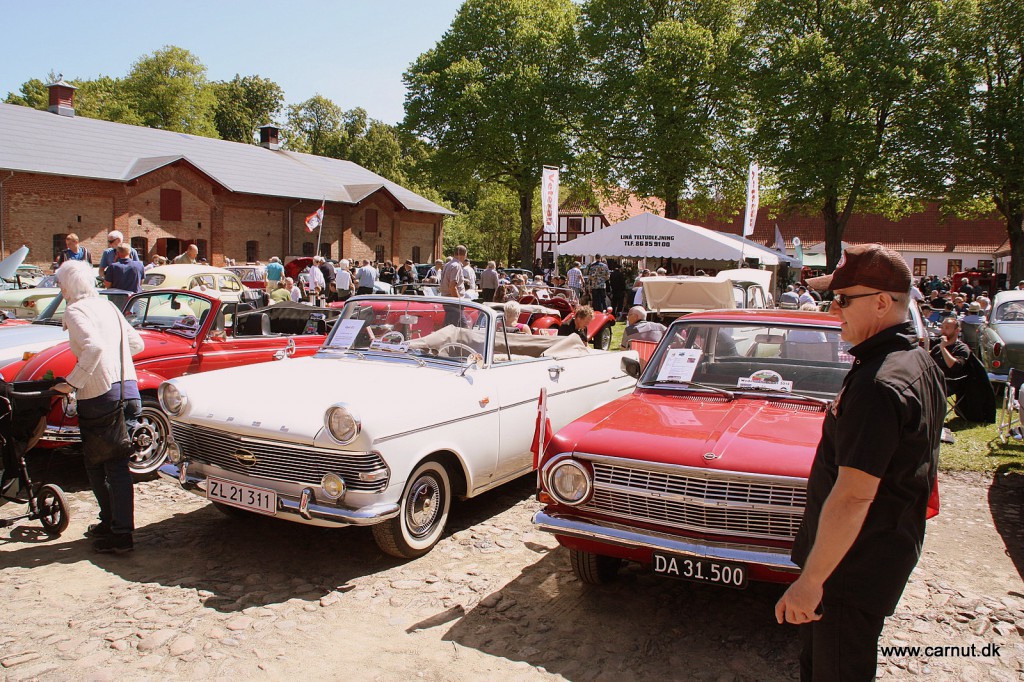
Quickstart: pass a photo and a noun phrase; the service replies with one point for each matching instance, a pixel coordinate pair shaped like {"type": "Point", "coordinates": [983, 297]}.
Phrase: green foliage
{"type": "Point", "coordinates": [658, 96]}
{"type": "Point", "coordinates": [313, 125]}
{"type": "Point", "coordinates": [168, 89]}
{"type": "Point", "coordinates": [836, 92]}
{"type": "Point", "coordinates": [489, 96]}
{"type": "Point", "coordinates": [105, 98]}
{"type": "Point", "coordinates": [244, 103]}
{"type": "Point", "coordinates": [489, 226]}
{"type": "Point", "coordinates": [32, 93]}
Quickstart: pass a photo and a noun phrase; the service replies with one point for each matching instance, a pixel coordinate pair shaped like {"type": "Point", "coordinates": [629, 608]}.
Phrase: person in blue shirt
{"type": "Point", "coordinates": [114, 239]}
{"type": "Point", "coordinates": [73, 251]}
{"type": "Point", "coordinates": [273, 273]}
{"type": "Point", "coordinates": [124, 273]}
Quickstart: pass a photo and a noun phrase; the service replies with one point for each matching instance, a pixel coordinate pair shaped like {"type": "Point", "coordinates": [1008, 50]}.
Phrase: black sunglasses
{"type": "Point", "coordinates": [843, 300]}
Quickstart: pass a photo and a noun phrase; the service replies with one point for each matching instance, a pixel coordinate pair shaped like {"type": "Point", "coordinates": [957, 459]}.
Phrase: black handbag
{"type": "Point", "coordinates": [105, 438]}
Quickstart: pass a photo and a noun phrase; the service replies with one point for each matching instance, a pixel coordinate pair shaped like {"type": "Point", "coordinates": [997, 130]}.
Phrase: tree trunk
{"type": "Point", "coordinates": [672, 209]}
{"type": "Point", "coordinates": [834, 227]}
{"type": "Point", "coordinates": [526, 227]}
{"type": "Point", "coordinates": [1015, 230]}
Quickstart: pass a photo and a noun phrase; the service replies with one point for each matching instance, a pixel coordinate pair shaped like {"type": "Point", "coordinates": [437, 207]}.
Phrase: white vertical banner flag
{"type": "Point", "coordinates": [780, 243]}
{"type": "Point", "coordinates": [549, 198]}
{"type": "Point", "coordinates": [750, 216]}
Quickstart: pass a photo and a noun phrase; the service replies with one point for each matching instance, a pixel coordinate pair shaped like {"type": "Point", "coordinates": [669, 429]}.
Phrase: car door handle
{"type": "Point", "coordinates": [555, 370]}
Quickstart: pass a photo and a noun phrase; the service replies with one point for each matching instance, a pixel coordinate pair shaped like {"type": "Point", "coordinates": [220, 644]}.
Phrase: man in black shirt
{"type": "Point", "coordinates": [951, 354]}
{"type": "Point", "coordinates": [873, 474]}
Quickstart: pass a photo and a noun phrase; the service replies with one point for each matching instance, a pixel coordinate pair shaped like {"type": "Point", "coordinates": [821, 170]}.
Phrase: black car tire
{"type": "Point", "coordinates": [603, 339]}
{"type": "Point", "coordinates": [423, 513]}
{"type": "Point", "coordinates": [594, 569]}
{"type": "Point", "coordinates": [155, 429]}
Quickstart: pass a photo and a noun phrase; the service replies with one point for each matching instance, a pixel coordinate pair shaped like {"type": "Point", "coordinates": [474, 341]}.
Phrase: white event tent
{"type": "Point", "coordinates": [652, 236]}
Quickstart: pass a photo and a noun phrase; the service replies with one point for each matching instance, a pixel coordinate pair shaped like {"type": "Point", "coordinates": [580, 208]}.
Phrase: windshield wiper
{"type": "Point", "coordinates": [791, 394]}
{"type": "Point", "coordinates": [728, 394]}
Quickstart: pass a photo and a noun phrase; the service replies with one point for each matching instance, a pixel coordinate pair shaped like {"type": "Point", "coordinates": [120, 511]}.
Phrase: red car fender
{"type": "Point", "coordinates": [9, 372]}
{"type": "Point", "coordinates": [546, 322]}
{"type": "Point", "coordinates": [149, 381]}
{"type": "Point", "coordinates": [600, 321]}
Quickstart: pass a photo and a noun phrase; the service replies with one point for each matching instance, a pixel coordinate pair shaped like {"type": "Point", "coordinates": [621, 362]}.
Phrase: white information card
{"type": "Point", "coordinates": [679, 364]}
{"type": "Point", "coordinates": [346, 332]}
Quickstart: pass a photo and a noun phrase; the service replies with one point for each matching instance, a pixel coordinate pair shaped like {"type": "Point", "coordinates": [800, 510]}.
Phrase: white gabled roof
{"type": "Point", "coordinates": [41, 142]}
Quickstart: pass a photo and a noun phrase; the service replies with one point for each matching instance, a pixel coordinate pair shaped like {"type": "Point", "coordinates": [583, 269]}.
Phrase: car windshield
{"type": "Point", "coordinates": [1011, 311]}
{"type": "Point", "coordinates": [153, 279]}
{"type": "Point", "coordinates": [410, 326]}
{"type": "Point", "coordinates": [181, 314]}
{"type": "Point", "coordinates": [248, 274]}
{"type": "Point", "coordinates": [745, 357]}
{"type": "Point", "coordinates": [48, 282]}
{"type": "Point", "coordinates": [53, 313]}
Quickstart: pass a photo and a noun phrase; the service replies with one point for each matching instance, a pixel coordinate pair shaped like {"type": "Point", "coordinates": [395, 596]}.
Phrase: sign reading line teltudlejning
{"type": "Point", "coordinates": [634, 240]}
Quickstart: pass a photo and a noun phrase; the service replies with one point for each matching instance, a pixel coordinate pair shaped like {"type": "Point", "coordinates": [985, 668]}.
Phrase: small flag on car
{"type": "Point", "coordinates": [315, 219]}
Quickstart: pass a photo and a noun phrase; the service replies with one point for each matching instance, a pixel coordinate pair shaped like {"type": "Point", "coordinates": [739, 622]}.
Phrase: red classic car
{"type": "Point", "coordinates": [701, 472]}
{"type": "Point", "coordinates": [549, 307]}
{"type": "Point", "coordinates": [185, 332]}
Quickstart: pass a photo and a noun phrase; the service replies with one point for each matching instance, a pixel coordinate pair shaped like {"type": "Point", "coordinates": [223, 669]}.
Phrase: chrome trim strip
{"type": "Point", "coordinates": [62, 434]}
{"type": "Point", "coordinates": [680, 469]}
{"type": "Point", "coordinates": [365, 516]}
{"type": "Point", "coordinates": [625, 536]}
{"type": "Point", "coordinates": [384, 439]}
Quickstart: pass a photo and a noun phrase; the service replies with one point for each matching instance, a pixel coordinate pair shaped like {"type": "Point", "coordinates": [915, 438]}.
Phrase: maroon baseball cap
{"type": "Point", "coordinates": [869, 265]}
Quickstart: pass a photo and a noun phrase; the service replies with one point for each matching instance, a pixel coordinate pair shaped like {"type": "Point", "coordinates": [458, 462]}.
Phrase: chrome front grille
{"type": "Point", "coordinates": [276, 460]}
{"type": "Point", "coordinates": [698, 500]}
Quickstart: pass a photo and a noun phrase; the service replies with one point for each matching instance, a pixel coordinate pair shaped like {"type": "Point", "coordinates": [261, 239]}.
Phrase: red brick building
{"type": "Point", "coordinates": [164, 190]}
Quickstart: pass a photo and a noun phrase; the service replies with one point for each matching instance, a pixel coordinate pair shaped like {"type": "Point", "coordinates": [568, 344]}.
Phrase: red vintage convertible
{"type": "Point", "coordinates": [547, 308]}
{"type": "Point", "coordinates": [185, 332]}
{"type": "Point", "coordinates": [701, 472]}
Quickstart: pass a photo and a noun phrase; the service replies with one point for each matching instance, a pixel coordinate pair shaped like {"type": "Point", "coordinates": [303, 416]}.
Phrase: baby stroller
{"type": "Point", "coordinates": [23, 409]}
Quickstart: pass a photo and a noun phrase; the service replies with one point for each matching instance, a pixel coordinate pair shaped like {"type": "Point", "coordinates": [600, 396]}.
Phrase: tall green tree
{"type": "Point", "coordinates": [105, 98]}
{"type": "Point", "coordinates": [836, 92]}
{"type": "Point", "coordinates": [491, 99]}
{"type": "Point", "coordinates": [985, 128]}
{"type": "Point", "coordinates": [659, 97]}
{"type": "Point", "coordinates": [244, 103]}
{"type": "Point", "coordinates": [32, 93]}
{"type": "Point", "coordinates": [169, 90]}
{"type": "Point", "coordinates": [313, 126]}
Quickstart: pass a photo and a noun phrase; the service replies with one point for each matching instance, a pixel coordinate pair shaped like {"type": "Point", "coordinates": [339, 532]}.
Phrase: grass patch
{"type": "Point", "coordinates": [617, 331]}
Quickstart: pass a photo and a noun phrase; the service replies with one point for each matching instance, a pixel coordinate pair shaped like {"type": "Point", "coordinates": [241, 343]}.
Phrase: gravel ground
{"type": "Point", "coordinates": [205, 596]}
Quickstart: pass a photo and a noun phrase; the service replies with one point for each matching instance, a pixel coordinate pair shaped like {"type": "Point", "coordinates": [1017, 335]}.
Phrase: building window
{"type": "Point", "coordinates": [325, 250]}
{"type": "Point", "coordinates": [416, 254]}
{"type": "Point", "coordinates": [141, 246]}
{"type": "Point", "coordinates": [985, 266]}
{"type": "Point", "coordinates": [308, 249]}
{"type": "Point", "coordinates": [953, 266]}
{"type": "Point", "coordinates": [201, 245]}
{"type": "Point", "coordinates": [59, 244]}
{"type": "Point", "coordinates": [920, 267]}
{"type": "Point", "coordinates": [371, 220]}
{"type": "Point", "coordinates": [252, 251]}
{"type": "Point", "coordinates": [575, 224]}
{"type": "Point", "coordinates": [170, 204]}
{"type": "Point", "coordinates": [379, 253]}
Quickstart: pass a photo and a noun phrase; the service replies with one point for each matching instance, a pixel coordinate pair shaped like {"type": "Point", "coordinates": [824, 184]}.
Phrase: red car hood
{"type": "Point", "coordinates": [60, 359]}
{"type": "Point", "coordinates": [749, 434]}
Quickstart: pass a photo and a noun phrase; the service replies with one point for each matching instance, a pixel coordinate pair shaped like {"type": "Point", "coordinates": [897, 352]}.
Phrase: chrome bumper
{"type": "Point", "coordinates": [304, 507]}
{"type": "Point", "coordinates": [627, 536]}
{"type": "Point", "coordinates": [62, 434]}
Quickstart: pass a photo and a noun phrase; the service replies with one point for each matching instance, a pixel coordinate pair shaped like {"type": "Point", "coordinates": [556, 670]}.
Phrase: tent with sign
{"type": "Point", "coordinates": [652, 236]}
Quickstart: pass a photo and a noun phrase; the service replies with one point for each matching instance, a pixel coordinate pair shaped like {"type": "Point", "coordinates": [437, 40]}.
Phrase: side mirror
{"type": "Point", "coordinates": [631, 366]}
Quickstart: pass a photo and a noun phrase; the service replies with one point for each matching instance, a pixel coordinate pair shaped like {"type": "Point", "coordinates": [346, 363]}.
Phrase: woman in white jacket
{"type": "Point", "coordinates": [95, 327]}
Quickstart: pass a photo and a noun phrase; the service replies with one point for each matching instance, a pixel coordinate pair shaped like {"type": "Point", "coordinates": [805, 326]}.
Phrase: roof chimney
{"type": "Point", "coordinates": [62, 97]}
{"type": "Point", "coordinates": [269, 136]}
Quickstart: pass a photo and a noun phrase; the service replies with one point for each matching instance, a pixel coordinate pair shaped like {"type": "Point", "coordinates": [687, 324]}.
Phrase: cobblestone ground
{"type": "Point", "coordinates": [208, 597]}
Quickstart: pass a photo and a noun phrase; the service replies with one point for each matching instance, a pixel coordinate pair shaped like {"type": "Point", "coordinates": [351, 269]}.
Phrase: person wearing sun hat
{"type": "Point", "coordinates": [873, 473]}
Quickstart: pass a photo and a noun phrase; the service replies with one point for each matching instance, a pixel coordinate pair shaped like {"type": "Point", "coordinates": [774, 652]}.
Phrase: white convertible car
{"type": "Point", "coordinates": [410, 401]}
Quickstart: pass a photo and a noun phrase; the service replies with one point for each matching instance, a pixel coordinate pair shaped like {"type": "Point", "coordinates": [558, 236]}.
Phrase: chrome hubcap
{"type": "Point", "coordinates": [422, 506]}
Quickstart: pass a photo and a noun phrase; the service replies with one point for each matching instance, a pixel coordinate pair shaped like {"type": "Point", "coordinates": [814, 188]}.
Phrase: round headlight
{"type": "Point", "coordinates": [172, 399]}
{"type": "Point", "coordinates": [173, 452]}
{"type": "Point", "coordinates": [569, 482]}
{"type": "Point", "coordinates": [342, 423]}
{"type": "Point", "coordinates": [333, 486]}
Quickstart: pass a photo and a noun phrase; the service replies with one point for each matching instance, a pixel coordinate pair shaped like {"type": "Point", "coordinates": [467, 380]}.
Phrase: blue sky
{"type": "Point", "coordinates": [352, 51]}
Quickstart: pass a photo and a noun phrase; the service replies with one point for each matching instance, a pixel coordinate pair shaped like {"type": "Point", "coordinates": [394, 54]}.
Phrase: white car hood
{"type": "Point", "coordinates": [388, 396]}
{"type": "Point", "coordinates": [15, 341]}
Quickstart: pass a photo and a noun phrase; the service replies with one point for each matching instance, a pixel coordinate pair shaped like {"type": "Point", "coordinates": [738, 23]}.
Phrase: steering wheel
{"type": "Point", "coordinates": [393, 336]}
{"type": "Point", "coordinates": [461, 346]}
